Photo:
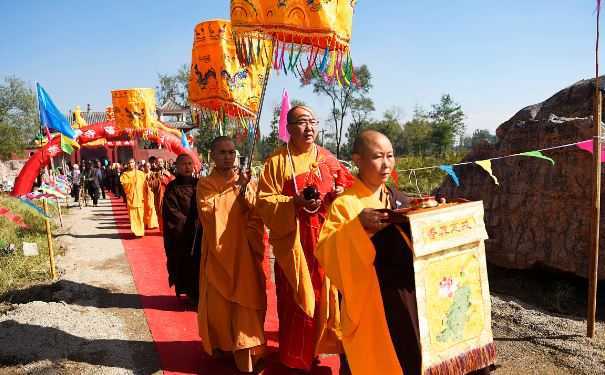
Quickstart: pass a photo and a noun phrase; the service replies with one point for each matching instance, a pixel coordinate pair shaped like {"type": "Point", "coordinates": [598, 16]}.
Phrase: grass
{"type": "Point", "coordinates": [424, 181]}
{"type": "Point", "coordinates": [17, 270]}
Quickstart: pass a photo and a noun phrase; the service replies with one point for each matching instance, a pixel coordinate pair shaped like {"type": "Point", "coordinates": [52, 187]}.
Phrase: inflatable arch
{"type": "Point", "coordinates": [25, 181]}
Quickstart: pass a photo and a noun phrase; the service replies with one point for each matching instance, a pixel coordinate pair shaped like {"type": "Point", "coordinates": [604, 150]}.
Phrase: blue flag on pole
{"type": "Point", "coordinates": [184, 140]}
{"type": "Point", "coordinates": [50, 116]}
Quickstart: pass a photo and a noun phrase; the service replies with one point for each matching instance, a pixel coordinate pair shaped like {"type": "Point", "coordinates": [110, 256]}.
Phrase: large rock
{"type": "Point", "coordinates": [540, 214]}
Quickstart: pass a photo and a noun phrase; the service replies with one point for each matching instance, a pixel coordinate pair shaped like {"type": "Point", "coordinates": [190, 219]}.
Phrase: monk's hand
{"type": "Point", "coordinates": [339, 190]}
{"type": "Point", "coordinates": [373, 220]}
{"type": "Point", "coordinates": [308, 204]}
{"type": "Point", "coordinates": [244, 178]}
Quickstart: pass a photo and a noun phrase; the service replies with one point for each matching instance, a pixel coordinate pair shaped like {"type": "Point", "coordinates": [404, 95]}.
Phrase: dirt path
{"type": "Point", "coordinates": [89, 322]}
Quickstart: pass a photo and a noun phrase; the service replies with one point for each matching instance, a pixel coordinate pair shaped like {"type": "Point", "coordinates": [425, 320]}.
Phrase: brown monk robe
{"type": "Point", "coordinates": [182, 234]}
{"type": "Point", "coordinates": [232, 304]}
{"type": "Point", "coordinates": [372, 266]}
{"type": "Point", "coordinates": [158, 181]}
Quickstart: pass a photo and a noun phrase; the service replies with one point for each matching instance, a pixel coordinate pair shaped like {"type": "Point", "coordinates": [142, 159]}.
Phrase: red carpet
{"type": "Point", "coordinates": [172, 324]}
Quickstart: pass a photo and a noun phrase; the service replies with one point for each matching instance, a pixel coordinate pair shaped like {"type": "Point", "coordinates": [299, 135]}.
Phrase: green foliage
{"type": "Point", "coordinates": [342, 98]}
{"type": "Point", "coordinates": [447, 119]}
{"type": "Point", "coordinates": [18, 116]}
{"type": "Point", "coordinates": [479, 135]}
{"type": "Point", "coordinates": [174, 86]}
{"type": "Point", "coordinates": [18, 270]}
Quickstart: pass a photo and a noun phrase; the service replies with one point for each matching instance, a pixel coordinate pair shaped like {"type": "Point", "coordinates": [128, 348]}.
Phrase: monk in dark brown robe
{"type": "Point", "coordinates": [182, 233]}
{"type": "Point", "coordinates": [367, 259]}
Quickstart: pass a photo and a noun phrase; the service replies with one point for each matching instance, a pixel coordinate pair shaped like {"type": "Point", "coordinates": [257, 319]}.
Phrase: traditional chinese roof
{"type": "Point", "coordinates": [170, 106]}
{"type": "Point", "coordinates": [90, 117]}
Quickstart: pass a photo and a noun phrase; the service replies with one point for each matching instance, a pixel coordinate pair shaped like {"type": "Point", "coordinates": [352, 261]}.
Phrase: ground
{"type": "Point", "coordinates": [91, 321]}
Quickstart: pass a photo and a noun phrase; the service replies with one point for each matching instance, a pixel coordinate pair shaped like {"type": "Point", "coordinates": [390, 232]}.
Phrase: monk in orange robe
{"type": "Point", "coordinates": [298, 183]}
{"type": "Point", "coordinates": [232, 302]}
{"type": "Point", "coordinates": [133, 183]}
{"type": "Point", "coordinates": [150, 216]}
{"type": "Point", "coordinates": [158, 180]}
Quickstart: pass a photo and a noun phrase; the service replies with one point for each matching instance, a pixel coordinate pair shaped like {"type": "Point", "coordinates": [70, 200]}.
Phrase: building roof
{"type": "Point", "coordinates": [90, 117]}
{"type": "Point", "coordinates": [170, 106]}
{"type": "Point", "coordinates": [180, 125]}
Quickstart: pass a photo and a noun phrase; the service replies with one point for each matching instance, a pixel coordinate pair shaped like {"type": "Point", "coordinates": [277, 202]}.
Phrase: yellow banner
{"type": "Point", "coordinates": [134, 108]}
{"type": "Point", "coordinates": [317, 23]}
{"type": "Point", "coordinates": [218, 82]}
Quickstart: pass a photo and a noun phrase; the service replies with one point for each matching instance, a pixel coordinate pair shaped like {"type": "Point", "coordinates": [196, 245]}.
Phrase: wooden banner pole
{"type": "Point", "coordinates": [49, 238]}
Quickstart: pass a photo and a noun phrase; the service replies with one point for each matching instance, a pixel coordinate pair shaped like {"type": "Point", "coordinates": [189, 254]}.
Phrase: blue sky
{"type": "Point", "coordinates": [493, 57]}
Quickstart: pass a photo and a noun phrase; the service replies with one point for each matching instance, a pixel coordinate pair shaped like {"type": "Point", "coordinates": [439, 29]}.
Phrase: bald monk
{"type": "Point", "coordinates": [158, 181]}
{"type": "Point", "coordinates": [133, 183]}
{"type": "Point", "coordinates": [371, 265]}
{"type": "Point", "coordinates": [232, 304]}
{"type": "Point", "coordinates": [296, 188]}
{"type": "Point", "coordinates": [182, 235]}
{"type": "Point", "coordinates": [150, 217]}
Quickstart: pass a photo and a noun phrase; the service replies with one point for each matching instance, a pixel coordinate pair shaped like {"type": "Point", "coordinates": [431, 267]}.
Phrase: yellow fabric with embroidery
{"type": "Point", "coordinates": [80, 122]}
{"type": "Point", "coordinates": [218, 82]}
{"type": "Point", "coordinates": [134, 108]}
{"type": "Point", "coordinates": [347, 254]}
{"type": "Point", "coordinates": [318, 23]}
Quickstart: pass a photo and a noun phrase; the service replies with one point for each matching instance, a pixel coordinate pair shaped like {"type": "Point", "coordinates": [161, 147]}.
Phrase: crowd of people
{"type": "Point", "coordinates": [343, 273]}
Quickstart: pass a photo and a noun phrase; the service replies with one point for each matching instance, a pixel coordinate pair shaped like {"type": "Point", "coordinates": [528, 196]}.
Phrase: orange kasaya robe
{"type": "Point", "coordinates": [232, 302]}
{"type": "Point", "coordinates": [347, 255]}
{"type": "Point", "coordinates": [307, 303]}
{"type": "Point", "coordinates": [133, 183]}
{"type": "Point", "coordinates": [158, 181]}
{"type": "Point", "coordinates": [150, 217]}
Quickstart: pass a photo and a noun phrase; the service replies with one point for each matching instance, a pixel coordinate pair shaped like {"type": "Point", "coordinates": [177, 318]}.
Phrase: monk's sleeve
{"type": "Point", "coordinates": [276, 209]}
{"type": "Point", "coordinates": [256, 228]}
{"type": "Point", "coordinates": [126, 182]}
{"type": "Point", "coordinates": [346, 253]}
{"type": "Point", "coordinates": [206, 197]}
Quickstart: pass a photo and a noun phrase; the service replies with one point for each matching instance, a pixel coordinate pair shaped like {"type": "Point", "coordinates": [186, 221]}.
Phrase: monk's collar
{"type": "Point", "coordinates": [185, 180]}
{"type": "Point", "coordinates": [295, 152]}
{"type": "Point", "coordinates": [365, 190]}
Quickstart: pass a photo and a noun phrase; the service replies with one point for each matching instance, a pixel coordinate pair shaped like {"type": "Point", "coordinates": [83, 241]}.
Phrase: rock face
{"type": "Point", "coordinates": [9, 170]}
{"type": "Point", "coordinates": [540, 214]}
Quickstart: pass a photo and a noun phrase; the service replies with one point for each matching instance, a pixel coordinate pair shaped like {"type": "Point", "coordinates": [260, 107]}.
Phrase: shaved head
{"type": "Point", "coordinates": [366, 138]}
{"type": "Point", "coordinates": [295, 112]}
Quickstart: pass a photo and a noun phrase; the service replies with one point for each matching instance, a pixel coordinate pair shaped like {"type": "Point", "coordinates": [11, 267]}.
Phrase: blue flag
{"type": "Point", "coordinates": [50, 116]}
{"type": "Point", "coordinates": [450, 171]}
{"type": "Point", "coordinates": [184, 141]}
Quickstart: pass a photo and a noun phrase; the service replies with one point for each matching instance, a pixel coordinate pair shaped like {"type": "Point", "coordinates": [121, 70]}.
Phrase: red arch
{"type": "Point", "coordinates": [25, 181]}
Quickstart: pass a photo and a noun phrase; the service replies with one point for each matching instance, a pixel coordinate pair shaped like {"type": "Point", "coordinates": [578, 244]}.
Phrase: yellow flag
{"type": "Point", "coordinates": [487, 166]}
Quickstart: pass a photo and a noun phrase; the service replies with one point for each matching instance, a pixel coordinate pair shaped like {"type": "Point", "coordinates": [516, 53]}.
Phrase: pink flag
{"type": "Point", "coordinates": [588, 146]}
{"type": "Point", "coordinates": [283, 117]}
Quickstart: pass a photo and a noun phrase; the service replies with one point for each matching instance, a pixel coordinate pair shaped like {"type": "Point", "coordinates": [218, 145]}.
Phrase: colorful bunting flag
{"type": "Point", "coordinates": [32, 205]}
{"type": "Point", "coordinates": [68, 144]}
{"type": "Point", "coordinates": [487, 166]}
{"type": "Point", "coordinates": [395, 177]}
{"type": "Point", "coordinates": [537, 154]}
{"type": "Point", "coordinates": [16, 219]}
{"type": "Point", "coordinates": [450, 171]}
{"type": "Point", "coordinates": [184, 140]}
{"type": "Point", "coordinates": [589, 146]}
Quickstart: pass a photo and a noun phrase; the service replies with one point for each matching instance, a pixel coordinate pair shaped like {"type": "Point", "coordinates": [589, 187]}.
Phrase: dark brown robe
{"type": "Point", "coordinates": [181, 230]}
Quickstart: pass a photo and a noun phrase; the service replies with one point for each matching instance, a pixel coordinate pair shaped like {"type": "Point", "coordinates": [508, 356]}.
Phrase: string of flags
{"type": "Point", "coordinates": [486, 164]}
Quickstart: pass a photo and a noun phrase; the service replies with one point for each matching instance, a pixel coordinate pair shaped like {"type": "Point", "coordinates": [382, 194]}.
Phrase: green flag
{"type": "Point", "coordinates": [539, 155]}
{"type": "Point", "coordinates": [67, 145]}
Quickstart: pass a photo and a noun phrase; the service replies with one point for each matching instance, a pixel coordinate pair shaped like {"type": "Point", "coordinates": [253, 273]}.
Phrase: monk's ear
{"type": "Point", "coordinates": [356, 159]}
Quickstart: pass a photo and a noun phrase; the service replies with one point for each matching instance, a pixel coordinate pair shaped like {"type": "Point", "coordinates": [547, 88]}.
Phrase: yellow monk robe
{"type": "Point", "coordinates": [233, 302]}
{"type": "Point", "coordinates": [150, 216]}
{"type": "Point", "coordinates": [133, 183]}
{"type": "Point", "coordinates": [347, 254]}
{"type": "Point", "coordinates": [307, 303]}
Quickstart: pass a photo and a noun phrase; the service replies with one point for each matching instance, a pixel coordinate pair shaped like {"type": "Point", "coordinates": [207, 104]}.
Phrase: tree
{"type": "Point", "coordinates": [174, 86]}
{"type": "Point", "coordinates": [18, 116]}
{"type": "Point", "coordinates": [416, 137]}
{"type": "Point", "coordinates": [447, 120]}
{"type": "Point", "coordinates": [479, 135]}
{"type": "Point", "coordinates": [342, 98]}
{"type": "Point", "coordinates": [391, 128]}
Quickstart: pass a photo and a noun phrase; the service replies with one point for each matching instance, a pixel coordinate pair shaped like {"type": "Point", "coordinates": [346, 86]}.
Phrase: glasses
{"type": "Point", "coordinates": [304, 123]}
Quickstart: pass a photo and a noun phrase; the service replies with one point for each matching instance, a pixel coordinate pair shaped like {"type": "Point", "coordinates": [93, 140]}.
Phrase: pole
{"type": "Point", "coordinates": [593, 270]}
{"type": "Point", "coordinates": [49, 238]}
{"type": "Point", "coordinates": [260, 110]}
{"type": "Point", "coordinates": [60, 214]}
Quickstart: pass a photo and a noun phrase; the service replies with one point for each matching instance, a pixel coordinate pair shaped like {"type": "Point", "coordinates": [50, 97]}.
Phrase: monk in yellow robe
{"type": "Point", "coordinates": [354, 256]}
{"type": "Point", "coordinates": [150, 217]}
{"type": "Point", "coordinates": [133, 183]}
{"type": "Point", "coordinates": [232, 302]}
{"type": "Point", "coordinates": [298, 183]}
{"type": "Point", "coordinates": [158, 180]}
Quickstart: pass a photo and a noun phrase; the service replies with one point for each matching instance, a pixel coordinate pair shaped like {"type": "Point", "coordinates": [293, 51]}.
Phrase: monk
{"type": "Point", "coordinates": [182, 234]}
{"type": "Point", "coordinates": [133, 183]}
{"type": "Point", "coordinates": [232, 304]}
{"type": "Point", "coordinates": [370, 263]}
{"type": "Point", "coordinates": [295, 190]}
{"type": "Point", "coordinates": [150, 217]}
{"type": "Point", "coordinates": [158, 180]}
